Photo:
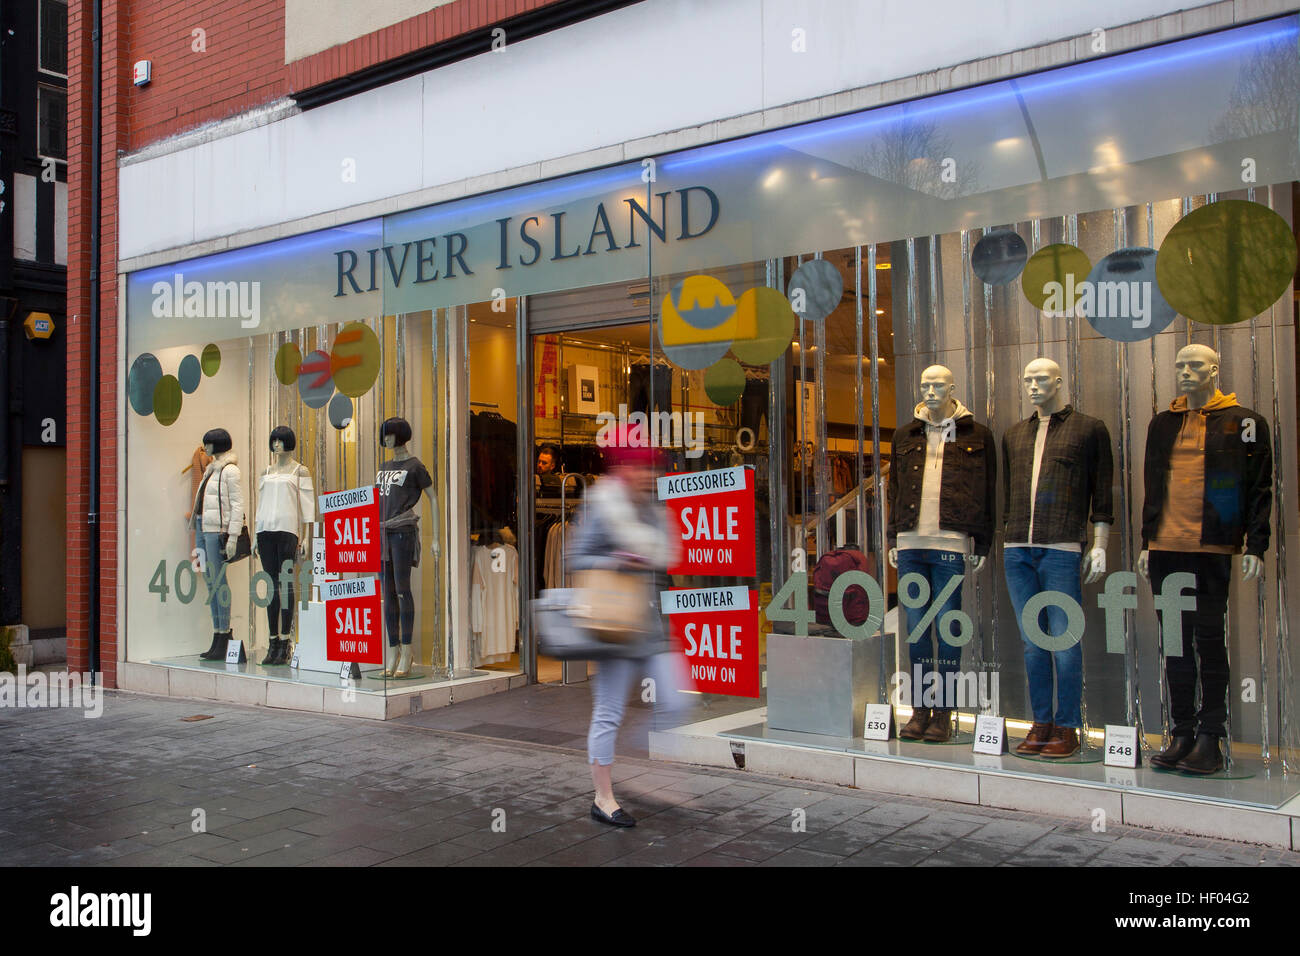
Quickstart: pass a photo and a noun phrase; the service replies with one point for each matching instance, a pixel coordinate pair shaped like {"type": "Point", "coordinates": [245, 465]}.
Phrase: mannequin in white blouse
{"type": "Point", "coordinates": [286, 507]}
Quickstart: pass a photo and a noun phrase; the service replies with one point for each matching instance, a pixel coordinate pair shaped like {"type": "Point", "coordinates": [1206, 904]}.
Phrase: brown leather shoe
{"type": "Point", "coordinates": [940, 728]}
{"type": "Point", "coordinates": [1039, 735]}
{"type": "Point", "coordinates": [1064, 743]}
{"type": "Point", "coordinates": [914, 729]}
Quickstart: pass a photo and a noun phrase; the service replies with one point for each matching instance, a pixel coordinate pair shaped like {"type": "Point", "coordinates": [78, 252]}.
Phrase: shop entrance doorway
{"type": "Point", "coordinates": [577, 376]}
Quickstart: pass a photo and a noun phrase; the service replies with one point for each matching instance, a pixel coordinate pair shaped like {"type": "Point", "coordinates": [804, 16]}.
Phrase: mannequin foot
{"type": "Point", "coordinates": [915, 728]}
{"type": "Point", "coordinates": [217, 650]}
{"type": "Point", "coordinates": [272, 652]}
{"type": "Point", "coordinates": [1179, 747]}
{"type": "Point", "coordinates": [1204, 757]}
{"type": "Point", "coordinates": [403, 668]}
{"type": "Point", "coordinates": [940, 727]}
{"type": "Point", "coordinates": [390, 660]}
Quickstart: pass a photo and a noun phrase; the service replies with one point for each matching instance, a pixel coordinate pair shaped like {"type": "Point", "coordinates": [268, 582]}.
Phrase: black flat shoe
{"type": "Point", "coordinates": [620, 817]}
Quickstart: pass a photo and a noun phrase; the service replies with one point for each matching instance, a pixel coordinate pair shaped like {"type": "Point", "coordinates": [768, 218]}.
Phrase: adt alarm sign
{"type": "Point", "coordinates": [351, 530]}
{"type": "Point", "coordinates": [353, 628]}
{"type": "Point", "coordinates": [717, 631]}
{"type": "Point", "coordinates": [712, 513]}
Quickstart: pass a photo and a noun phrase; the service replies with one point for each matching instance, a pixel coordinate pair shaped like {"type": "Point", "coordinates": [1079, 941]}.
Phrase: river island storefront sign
{"type": "Point", "coordinates": [527, 241]}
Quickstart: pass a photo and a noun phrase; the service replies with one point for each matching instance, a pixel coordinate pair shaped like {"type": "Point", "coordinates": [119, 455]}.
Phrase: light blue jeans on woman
{"type": "Point", "coordinates": [609, 692]}
{"type": "Point", "coordinates": [219, 593]}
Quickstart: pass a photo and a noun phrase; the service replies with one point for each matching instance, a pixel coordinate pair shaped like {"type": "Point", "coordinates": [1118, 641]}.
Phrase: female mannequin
{"type": "Point", "coordinates": [219, 508]}
{"type": "Point", "coordinates": [401, 479]}
{"type": "Point", "coordinates": [285, 503]}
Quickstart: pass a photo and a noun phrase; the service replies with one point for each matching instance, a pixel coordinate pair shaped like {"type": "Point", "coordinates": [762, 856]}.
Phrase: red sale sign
{"type": "Point", "coordinates": [353, 628]}
{"type": "Point", "coordinates": [717, 631]}
{"type": "Point", "coordinates": [712, 513]}
{"type": "Point", "coordinates": [351, 530]}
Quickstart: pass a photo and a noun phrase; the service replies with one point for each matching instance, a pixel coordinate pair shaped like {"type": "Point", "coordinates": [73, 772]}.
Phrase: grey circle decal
{"type": "Point", "coordinates": [815, 289]}
{"type": "Point", "coordinates": [999, 257]}
{"type": "Point", "coordinates": [146, 372]}
{"type": "Point", "coordinates": [189, 374]}
{"type": "Point", "coordinates": [340, 411]}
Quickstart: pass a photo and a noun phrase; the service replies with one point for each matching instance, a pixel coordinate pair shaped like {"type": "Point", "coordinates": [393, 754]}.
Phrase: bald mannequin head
{"type": "Point", "coordinates": [1043, 385]}
{"type": "Point", "coordinates": [1196, 370]}
{"type": "Point", "coordinates": [937, 387]}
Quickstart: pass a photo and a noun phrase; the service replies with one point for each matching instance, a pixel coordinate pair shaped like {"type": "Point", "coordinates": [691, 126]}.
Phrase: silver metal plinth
{"type": "Point", "coordinates": [817, 685]}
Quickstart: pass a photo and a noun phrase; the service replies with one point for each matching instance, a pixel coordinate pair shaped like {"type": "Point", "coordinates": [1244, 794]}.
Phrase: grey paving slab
{"type": "Point", "coordinates": [282, 789]}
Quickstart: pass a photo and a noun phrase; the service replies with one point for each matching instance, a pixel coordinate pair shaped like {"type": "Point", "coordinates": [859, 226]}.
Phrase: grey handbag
{"type": "Point", "coordinates": [562, 633]}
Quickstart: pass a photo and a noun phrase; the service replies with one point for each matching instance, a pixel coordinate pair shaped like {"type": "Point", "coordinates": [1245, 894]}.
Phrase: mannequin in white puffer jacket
{"type": "Point", "coordinates": [218, 510]}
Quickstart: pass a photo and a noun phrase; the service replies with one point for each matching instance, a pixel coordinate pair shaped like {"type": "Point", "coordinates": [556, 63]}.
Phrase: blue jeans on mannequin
{"type": "Point", "coordinates": [215, 558]}
{"type": "Point", "coordinates": [938, 568]}
{"type": "Point", "coordinates": [1030, 571]}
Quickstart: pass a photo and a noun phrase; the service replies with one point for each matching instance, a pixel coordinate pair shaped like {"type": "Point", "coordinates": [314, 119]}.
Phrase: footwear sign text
{"type": "Point", "coordinates": [353, 631]}
{"type": "Point", "coordinates": [717, 630]}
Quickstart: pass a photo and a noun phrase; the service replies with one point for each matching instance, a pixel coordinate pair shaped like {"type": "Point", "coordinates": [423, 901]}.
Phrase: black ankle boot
{"type": "Point", "coordinates": [272, 653]}
{"type": "Point", "coordinates": [1179, 747]}
{"type": "Point", "coordinates": [218, 649]}
{"type": "Point", "coordinates": [1204, 758]}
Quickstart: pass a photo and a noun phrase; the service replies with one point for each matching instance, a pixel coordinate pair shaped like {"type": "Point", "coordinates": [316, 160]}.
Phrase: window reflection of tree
{"type": "Point", "coordinates": [911, 154]}
{"type": "Point", "coordinates": [1265, 97]}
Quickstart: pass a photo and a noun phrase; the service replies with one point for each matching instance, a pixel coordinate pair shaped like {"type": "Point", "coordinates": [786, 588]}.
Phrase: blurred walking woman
{"type": "Point", "coordinates": [624, 529]}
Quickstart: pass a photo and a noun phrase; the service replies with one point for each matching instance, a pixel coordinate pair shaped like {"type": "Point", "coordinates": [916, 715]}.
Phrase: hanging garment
{"type": "Point", "coordinates": [554, 550]}
{"type": "Point", "coordinates": [494, 603]}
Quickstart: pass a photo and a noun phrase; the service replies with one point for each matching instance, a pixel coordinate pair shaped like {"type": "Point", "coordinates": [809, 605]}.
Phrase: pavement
{"type": "Point", "coordinates": [142, 785]}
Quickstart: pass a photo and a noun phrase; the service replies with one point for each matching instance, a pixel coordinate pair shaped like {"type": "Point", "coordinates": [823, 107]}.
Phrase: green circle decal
{"type": "Point", "coordinates": [1052, 274]}
{"type": "Point", "coordinates": [354, 359]}
{"type": "Point", "coordinates": [1226, 262]}
{"type": "Point", "coordinates": [724, 382]}
{"type": "Point", "coordinates": [773, 324]}
{"type": "Point", "coordinates": [287, 361]}
{"type": "Point", "coordinates": [141, 382]}
{"type": "Point", "coordinates": [210, 360]}
{"type": "Point", "coordinates": [167, 400]}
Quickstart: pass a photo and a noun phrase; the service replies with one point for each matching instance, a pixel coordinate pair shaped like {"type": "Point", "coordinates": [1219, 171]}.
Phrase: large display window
{"type": "Point", "coordinates": [1009, 374]}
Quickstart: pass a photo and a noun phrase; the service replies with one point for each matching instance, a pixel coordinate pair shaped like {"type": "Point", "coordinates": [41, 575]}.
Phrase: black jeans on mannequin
{"type": "Point", "coordinates": [275, 548]}
{"type": "Point", "coordinates": [398, 552]}
{"type": "Point", "coordinates": [1203, 636]}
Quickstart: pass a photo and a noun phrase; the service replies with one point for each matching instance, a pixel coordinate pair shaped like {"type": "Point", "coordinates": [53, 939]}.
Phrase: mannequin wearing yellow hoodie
{"type": "Point", "coordinates": [1209, 488]}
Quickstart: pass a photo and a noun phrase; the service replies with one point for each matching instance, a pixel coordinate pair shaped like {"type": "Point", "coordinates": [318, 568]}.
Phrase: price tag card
{"type": "Point", "coordinates": [1121, 746]}
{"type": "Point", "coordinates": [990, 735]}
{"type": "Point", "coordinates": [234, 649]}
{"type": "Point", "coordinates": [295, 662]}
{"type": "Point", "coordinates": [879, 724]}
{"type": "Point", "coordinates": [345, 670]}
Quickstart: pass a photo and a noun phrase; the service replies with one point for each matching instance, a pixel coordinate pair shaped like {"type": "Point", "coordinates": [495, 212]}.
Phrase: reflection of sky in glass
{"type": "Point", "coordinates": [1119, 109]}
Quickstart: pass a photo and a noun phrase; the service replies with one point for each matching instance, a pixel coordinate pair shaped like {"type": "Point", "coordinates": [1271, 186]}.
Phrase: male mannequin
{"type": "Point", "coordinates": [1209, 484]}
{"type": "Point", "coordinates": [219, 508]}
{"type": "Point", "coordinates": [942, 498]}
{"type": "Point", "coordinates": [285, 504]}
{"type": "Point", "coordinates": [401, 479]}
{"type": "Point", "coordinates": [1059, 469]}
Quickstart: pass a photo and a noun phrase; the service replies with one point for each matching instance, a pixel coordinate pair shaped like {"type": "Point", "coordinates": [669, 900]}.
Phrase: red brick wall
{"type": "Point", "coordinates": [79, 331]}
{"type": "Point", "coordinates": [241, 68]}
{"type": "Point", "coordinates": [242, 65]}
